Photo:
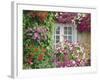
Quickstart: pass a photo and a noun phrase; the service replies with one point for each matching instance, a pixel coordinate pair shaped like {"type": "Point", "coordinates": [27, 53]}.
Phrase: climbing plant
{"type": "Point", "coordinates": [38, 29]}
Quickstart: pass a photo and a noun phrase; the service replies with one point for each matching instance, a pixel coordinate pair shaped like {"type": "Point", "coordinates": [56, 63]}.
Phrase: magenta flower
{"type": "Point", "coordinates": [39, 30]}
{"type": "Point", "coordinates": [83, 22]}
{"type": "Point", "coordinates": [69, 54]}
{"type": "Point", "coordinates": [36, 36]}
{"type": "Point", "coordinates": [66, 17]}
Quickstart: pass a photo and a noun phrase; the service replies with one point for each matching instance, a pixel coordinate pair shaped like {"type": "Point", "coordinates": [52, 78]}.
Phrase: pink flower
{"type": "Point", "coordinates": [39, 30]}
{"type": "Point", "coordinates": [36, 35]}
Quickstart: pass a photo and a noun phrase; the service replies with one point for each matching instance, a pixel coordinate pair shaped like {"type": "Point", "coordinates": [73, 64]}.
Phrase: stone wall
{"type": "Point", "coordinates": [85, 39]}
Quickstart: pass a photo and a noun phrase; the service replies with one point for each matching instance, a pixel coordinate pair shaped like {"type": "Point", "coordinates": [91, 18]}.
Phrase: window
{"type": "Point", "coordinates": [68, 33]}
{"type": "Point", "coordinates": [65, 32]}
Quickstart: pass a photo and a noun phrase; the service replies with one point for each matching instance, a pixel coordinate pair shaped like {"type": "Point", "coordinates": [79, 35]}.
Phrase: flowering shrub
{"type": "Point", "coordinates": [69, 55]}
{"type": "Point", "coordinates": [41, 15]}
{"type": "Point", "coordinates": [65, 17]}
{"type": "Point", "coordinates": [37, 34]}
{"type": "Point", "coordinates": [82, 20]}
{"type": "Point", "coordinates": [37, 41]}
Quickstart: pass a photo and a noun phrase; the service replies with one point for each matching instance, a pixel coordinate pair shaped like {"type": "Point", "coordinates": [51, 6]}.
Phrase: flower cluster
{"type": "Point", "coordinates": [42, 15]}
{"type": "Point", "coordinates": [65, 17]}
{"type": "Point", "coordinates": [82, 20]}
{"type": "Point", "coordinates": [69, 55]}
{"type": "Point", "coordinates": [38, 34]}
{"type": "Point", "coordinates": [35, 54]}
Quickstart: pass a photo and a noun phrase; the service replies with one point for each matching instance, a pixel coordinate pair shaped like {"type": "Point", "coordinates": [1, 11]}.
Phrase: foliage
{"type": "Point", "coordinates": [37, 39]}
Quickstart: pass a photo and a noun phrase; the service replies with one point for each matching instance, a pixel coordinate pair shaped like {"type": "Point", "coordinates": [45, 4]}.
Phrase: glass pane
{"type": "Point", "coordinates": [57, 37]}
{"type": "Point", "coordinates": [57, 32]}
{"type": "Point", "coordinates": [58, 28]}
{"type": "Point", "coordinates": [57, 40]}
{"type": "Point", "coordinates": [70, 28]}
{"type": "Point", "coordinates": [70, 38]}
{"type": "Point", "coordinates": [65, 28]}
{"type": "Point", "coordinates": [69, 31]}
{"type": "Point", "coordinates": [65, 32]}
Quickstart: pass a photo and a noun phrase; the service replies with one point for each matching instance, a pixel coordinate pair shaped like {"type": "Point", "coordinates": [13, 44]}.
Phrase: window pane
{"type": "Point", "coordinates": [58, 28]}
{"type": "Point", "coordinates": [57, 32]}
{"type": "Point", "coordinates": [65, 32]}
{"type": "Point", "coordinates": [70, 38]}
{"type": "Point", "coordinates": [70, 28]}
{"type": "Point", "coordinates": [57, 37]}
{"type": "Point", "coordinates": [57, 40]}
{"type": "Point", "coordinates": [69, 32]}
{"type": "Point", "coordinates": [65, 28]}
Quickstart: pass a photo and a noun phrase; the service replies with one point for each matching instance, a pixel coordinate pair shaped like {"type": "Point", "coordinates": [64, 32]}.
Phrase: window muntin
{"type": "Point", "coordinates": [68, 33]}
{"type": "Point", "coordinates": [65, 32]}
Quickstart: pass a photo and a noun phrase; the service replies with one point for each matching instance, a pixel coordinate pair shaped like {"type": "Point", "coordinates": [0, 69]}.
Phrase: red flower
{"type": "Point", "coordinates": [41, 57]}
{"type": "Point", "coordinates": [42, 15]}
{"type": "Point", "coordinates": [43, 50]}
{"type": "Point", "coordinates": [30, 61]}
{"type": "Point", "coordinates": [36, 50]}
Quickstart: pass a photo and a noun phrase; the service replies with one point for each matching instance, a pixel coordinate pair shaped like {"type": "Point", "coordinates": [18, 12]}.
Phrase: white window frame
{"type": "Point", "coordinates": [74, 31]}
